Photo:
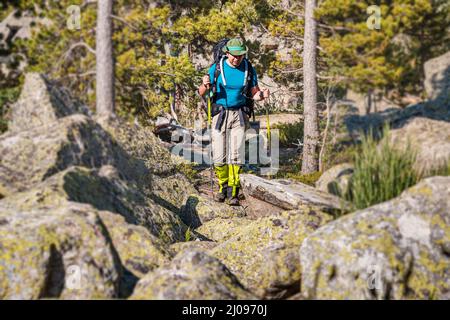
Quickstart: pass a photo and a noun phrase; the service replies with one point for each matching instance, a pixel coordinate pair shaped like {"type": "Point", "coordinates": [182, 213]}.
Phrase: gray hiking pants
{"type": "Point", "coordinates": [228, 143]}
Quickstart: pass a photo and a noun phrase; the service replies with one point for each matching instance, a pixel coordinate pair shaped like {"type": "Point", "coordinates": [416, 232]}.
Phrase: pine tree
{"type": "Point", "coordinates": [389, 59]}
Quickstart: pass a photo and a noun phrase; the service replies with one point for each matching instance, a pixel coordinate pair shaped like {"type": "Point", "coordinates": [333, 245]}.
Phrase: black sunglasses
{"type": "Point", "coordinates": [236, 57]}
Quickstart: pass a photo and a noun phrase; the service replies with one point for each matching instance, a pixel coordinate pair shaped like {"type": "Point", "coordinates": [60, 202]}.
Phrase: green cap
{"type": "Point", "coordinates": [235, 47]}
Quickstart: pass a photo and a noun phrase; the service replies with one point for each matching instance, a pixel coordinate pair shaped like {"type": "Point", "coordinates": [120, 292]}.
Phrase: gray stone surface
{"type": "Point", "coordinates": [399, 249]}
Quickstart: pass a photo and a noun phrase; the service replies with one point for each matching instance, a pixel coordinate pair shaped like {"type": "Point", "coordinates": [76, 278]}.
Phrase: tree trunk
{"type": "Point", "coordinates": [311, 131]}
{"type": "Point", "coordinates": [105, 60]}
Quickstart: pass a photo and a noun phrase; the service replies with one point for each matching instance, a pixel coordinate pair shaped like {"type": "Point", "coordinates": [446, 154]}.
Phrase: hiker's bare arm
{"type": "Point", "coordinates": [257, 96]}
{"type": "Point", "coordinates": [206, 84]}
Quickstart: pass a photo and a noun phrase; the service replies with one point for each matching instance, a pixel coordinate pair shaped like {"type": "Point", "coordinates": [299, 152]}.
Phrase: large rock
{"type": "Point", "coordinates": [61, 252]}
{"type": "Point", "coordinates": [288, 194]}
{"type": "Point", "coordinates": [437, 78]}
{"type": "Point", "coordinates": [335, 180]}
{"type": "Point", "coordinates": [264, 254]}
{"type": "Point", "coordinates": [192, 245]}
{"type": "Point", "coordinates": [29, 157]}
{"type": "Point", "coordinates": [172, 191]}
{"type": "Point", "coordinates": [104, 190]}
{"type": "Point", "coordinates": [170, 187]}
{"type": "Point", "coordinates": [41, 102]}
{"type": "Point", "coordinates": [351, 125]}
{"type": "Point", "coordinates": [199, 210]}
{"type": "Point", "coordinates": [14, 27]}
{"type": "Point", "coordinates": [398, 249]}
{"type": "Point", "coordinates": [139, 251]}
{"type": "Point", "coordinates": [429, 138]}
{"type": "Point", "coordinates": [437, 86]}
{"type": "Point", "coordinates": [222, 229]}
{"type": "Point", "coordinates": [141, 144]}
{"type": "Point", "coordinates": [191, 275]}
{"type": "Point", "coordinates": [369, 102]}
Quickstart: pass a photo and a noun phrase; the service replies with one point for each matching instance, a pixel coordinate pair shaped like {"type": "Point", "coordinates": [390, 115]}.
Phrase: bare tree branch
{"type": "Point", "coordinates": [335, 28]}
{"type": "Point", "coordinates": [81, 75]}
{"type": "Point", "coordinates": [165, 73]}
{"type": "Point", "coordinates": [66, 54]}
{"type": "Point", "coordinates": [79, 44]}
{"type": "Point", "coordinates": [87, 2]}
{"type": "Point", "coordinates": [125, 22]}
{"type": "Point", "coordinates": [289, 71]}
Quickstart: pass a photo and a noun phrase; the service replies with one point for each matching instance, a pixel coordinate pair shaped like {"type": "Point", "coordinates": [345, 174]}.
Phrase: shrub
{"type": "Point", "coordinates": [7, 97]}
{"type": "Point", "coordinates": [309, 179]}
{"type": "Point", "coordinates": [189, 171]}
{"type": "Point", "coordinates": [293, 171]}
{"type": "Point", "coordinates": [442, 170]}
{"type": "Point", "coordinates": [381, 171]}
{"type": "Point", "coordinates": [289, 133]}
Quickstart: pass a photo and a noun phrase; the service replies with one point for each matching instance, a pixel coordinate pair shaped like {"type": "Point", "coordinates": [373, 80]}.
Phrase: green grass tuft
{"type": "Point", "coordinates": [381, 171]}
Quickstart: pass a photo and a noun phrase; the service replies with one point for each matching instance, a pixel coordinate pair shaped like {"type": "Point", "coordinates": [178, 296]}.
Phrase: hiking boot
{"type": "Point", "coordinates": [219, 197]}
{"type": "Point", "coordinates": [234, 201]}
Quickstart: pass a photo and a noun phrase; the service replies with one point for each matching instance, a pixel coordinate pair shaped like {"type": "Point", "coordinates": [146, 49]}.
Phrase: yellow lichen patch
{"type": "Point", "coordinates": [192, 245]}
{"type": "Point", "coordinates": [191, 275]}
{"type": "Point", "coordinates": [199, 210]}
{"type": "Point", "coordinates": [19, 257]}
{"type": "Point", "coordinates": [419, 281]}
{"type": "Point", "coordinates": [139, 251]}
{"type": "Point", "coordinates": [265, 253]}
{"type": "Point", "coordinates": [437, 221]}
{"type": "Point", "coordinates": [221, 229]}
{"type": "Point", "coordinates": [422, 189]}
{"type": "Point", "coordinates": [39, 245]}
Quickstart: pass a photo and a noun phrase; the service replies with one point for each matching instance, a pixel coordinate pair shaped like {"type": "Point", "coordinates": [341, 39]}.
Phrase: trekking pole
{"type": "Point", "coordinates": [268, 125]}
{"type": "Point", "coordinates": [267, 106]}
{"type": "Point", "coordinates": [269, 153]}
{"type": "Point", "coordinates": [209, 128]}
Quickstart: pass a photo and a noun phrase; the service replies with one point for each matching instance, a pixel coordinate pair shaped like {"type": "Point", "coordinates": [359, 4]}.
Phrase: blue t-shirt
{"type": "Point", "coordinates": [230, 96]}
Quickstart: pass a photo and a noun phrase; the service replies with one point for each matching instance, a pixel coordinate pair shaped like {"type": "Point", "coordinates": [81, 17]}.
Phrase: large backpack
{"type": "Point", "coordinates": [218, 60]}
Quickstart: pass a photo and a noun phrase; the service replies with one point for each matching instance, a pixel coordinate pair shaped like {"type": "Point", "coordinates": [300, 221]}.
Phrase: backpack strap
{"type": "Point", "coordinates": [246, 73]}
{"type": "Point", "coordinates": [218, 71]}
{"type": "Point", "coordinates": [248, 77]}
{"type": "Point", "coordinates": [216, 76]}
{"type": "Point", "coordinates": [221, 71]}
{"type": "Point", "coordinates": [249, 106]}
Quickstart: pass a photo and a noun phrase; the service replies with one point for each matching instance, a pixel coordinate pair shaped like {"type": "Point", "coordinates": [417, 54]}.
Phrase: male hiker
{"type": "Point", "coordinates": [234, 86]}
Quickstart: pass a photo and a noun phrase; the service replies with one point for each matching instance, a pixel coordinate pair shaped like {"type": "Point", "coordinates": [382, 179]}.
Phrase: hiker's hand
{"type": "Point", "coordinates": [266, 93]}
{"type": "Point", "coordinates": [206, 82]}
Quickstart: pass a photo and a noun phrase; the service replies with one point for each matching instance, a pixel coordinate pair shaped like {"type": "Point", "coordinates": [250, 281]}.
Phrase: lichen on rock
{"type": "Point", "coordinates": [199, 209]}
{"type": "Point", "coordinates": [264, 253]}
{"type": "Point", "coordinates": [31, 156]}
{"type": "Point", "coordinates": [60, 252]}
{"type": "Point", "coordinates": [191, 275]}
{"type": "Point", "coordinates": [104, 190]}
{"type": "Point", "coordinates": [394, 250]}
{"type": "Point", "coordinates": [222, 229]}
